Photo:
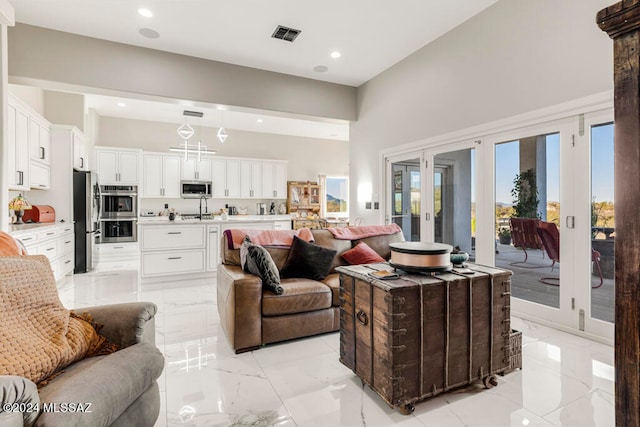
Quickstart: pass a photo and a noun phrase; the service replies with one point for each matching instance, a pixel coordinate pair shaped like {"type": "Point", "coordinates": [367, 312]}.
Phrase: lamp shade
{"type": "Point", "coordinates": [19, 203]}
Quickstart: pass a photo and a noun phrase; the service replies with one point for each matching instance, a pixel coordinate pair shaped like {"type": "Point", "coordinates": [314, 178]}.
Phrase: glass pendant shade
{"type": "Point", "coordinates": [222, 135]}
{"type": "Point", "coordinates": [185, 131]}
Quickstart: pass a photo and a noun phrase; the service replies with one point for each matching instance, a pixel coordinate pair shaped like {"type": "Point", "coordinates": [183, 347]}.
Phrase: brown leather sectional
{"type": "Point", "coordinates": [252, 317]}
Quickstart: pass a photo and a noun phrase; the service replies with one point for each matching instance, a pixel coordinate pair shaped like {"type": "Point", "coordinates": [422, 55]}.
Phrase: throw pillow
{"type": "Point", "coordinates": [362, 254]}
{"type": "Point", "coordinates": [308, 260]}
{"type": "Point", "coordinates": [256, 260]}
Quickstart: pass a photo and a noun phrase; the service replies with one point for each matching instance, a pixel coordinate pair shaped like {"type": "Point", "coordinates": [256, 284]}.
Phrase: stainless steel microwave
{"type": "Point", "coordinates": [195, 189]}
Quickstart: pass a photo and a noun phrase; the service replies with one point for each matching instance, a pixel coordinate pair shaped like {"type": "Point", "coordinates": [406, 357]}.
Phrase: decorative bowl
{"type": "Point", "coordinates": [459, 258]}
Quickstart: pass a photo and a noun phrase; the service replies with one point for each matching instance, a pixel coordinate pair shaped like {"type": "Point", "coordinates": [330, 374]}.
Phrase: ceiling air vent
{"type": "Point", "coordinates": [285, 33]}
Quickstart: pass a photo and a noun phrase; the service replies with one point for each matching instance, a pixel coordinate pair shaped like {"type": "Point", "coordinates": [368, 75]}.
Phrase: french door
{"type": "Point", "coordinates": [466, 193]}
{"type": "Point", "coordinates": [404, 193]}
{"type": "Point", "coordinates": [563, 260]}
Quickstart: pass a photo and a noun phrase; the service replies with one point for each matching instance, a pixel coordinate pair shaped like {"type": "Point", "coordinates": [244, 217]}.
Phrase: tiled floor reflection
{"type": "Point", "coordinates": [566, 380]}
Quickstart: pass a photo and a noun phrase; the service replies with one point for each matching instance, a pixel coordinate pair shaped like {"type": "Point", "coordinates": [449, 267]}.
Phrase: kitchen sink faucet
{"type": "Point", "coordinates": [206, 208]}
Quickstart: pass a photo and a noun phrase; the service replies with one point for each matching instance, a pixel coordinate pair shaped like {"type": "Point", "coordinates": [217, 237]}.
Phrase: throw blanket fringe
{"type": "Point", "coordinates": [283, 238]}
{"type": "Point", "coordinates": [360, 232]}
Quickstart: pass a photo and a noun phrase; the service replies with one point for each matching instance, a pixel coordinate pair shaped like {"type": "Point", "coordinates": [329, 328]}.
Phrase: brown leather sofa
{"type": "Point", "coordinates": [251, 316]}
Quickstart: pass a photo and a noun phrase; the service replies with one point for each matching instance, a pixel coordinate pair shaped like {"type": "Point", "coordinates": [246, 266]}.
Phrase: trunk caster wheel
{"type": "Point", "coordinates": [407, 409]}
{"type": "Point", "coordinates": [490, 381]}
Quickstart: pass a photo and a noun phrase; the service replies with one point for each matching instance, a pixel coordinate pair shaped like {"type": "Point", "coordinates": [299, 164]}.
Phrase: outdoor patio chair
{"type": "Point", "coordinates": [524, 236]}
{"type": "Point", "coordinates": [550, 238]}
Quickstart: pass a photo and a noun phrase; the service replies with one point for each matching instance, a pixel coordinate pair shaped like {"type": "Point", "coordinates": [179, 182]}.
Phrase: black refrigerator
{"type": "Point", "coordinates": [86, 208]}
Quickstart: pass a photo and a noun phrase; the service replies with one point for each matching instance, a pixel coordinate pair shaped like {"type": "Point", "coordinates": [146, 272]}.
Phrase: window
{"type": "Point", "coordinates": [337, 196]}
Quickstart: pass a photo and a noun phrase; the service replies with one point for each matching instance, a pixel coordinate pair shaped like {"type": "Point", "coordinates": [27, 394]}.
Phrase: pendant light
{"type": "Point", "coordinates": [185, 131]}
{"type": "Point", "coordinates": [222, 134]}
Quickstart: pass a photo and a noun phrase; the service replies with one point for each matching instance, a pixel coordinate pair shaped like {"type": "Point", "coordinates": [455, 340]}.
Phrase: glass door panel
{"type": "Point", "coordinates": [454, 199]}
{"type": "Point", "coordinates": [527, 216]}
{"type": "Point", "coordinates": [406, 198]}
{"type": "Point", "coordinates": [603, 230]}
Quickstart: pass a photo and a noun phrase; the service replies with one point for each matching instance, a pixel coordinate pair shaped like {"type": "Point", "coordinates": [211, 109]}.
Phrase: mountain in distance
{"type": "Point", "coordinates": [330, 198]}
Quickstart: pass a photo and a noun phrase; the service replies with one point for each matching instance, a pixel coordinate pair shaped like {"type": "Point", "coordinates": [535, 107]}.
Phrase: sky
{"type": "Point", "coordinates": [507, 166]}
{"type": "Point", "coordinates": [333, 187]}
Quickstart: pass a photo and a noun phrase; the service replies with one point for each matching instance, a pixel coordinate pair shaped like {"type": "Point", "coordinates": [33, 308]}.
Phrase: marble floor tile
{"type": "Point", "coordinates": [565, 381]}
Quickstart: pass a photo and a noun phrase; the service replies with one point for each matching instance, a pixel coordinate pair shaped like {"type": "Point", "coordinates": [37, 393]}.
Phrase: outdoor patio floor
{"type": "Point", "coordinates": [525, 283]}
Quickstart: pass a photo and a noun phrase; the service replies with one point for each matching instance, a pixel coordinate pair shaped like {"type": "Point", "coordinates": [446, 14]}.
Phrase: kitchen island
{"type": "Point", "coordinates": [191, 246]}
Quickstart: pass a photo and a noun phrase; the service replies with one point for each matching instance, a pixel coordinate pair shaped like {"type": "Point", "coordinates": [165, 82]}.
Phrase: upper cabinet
{"type": "Point", "coordinates": [29, 141]}
{"type": "Point", "coordinates": [194, 169]}
{"type": "Point", "coordinates": [226, 178]}
{"type": "Point", "coordinates": [39, 140]}
{"type": "Point", "coordinates": [18, 141]}
{"type": "Point", "coordinates": [161, 175]}
{"type": "Point", "coordinates": [80, 158]}
{"type": "Point", "coordinates": [251, 179]}
{"type": "Point", "coordinates": [118, 166]}
{"type": "Point", "coordinates": [274, 179]}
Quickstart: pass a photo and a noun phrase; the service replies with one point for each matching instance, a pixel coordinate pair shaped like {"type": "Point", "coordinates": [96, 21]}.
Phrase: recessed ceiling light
{"type": "Point", "coordinates": [121, 104]}
{"type": "Point", "coordinates": [335, 54]}
{"type": "Point", "coordinates": [260, 120]}
{"type": "Point", "coordinates": [149, 33]}
{"type": "Point", "coordinates": [320, 68]}
{"type": "Point", "coordinates": [145, 12]}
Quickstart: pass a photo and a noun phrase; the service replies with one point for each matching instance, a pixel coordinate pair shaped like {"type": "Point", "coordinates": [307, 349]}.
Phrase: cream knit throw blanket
{"type": "Point", "coordinates": [38, 336]}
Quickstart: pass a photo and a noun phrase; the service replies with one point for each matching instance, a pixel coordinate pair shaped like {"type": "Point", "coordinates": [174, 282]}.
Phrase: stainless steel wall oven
{"type": "Point", "coordinates": [118, 213]}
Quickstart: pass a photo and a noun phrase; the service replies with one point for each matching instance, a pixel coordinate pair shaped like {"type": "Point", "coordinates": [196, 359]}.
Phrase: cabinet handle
{"type": "Point", "coordinates": [197, 175]}
{"type": "Point", "coordinates": [25, 239]}
{"type": "Point", "coordinates": [174, 232]}
{"type": "Point", "coordinates": [213, 232]}
{"type": "Point", "coordinates": [67, 261]}
{"type": "Point", "coordinates": [175, 257]}
{"type": "Point", "coordinates": [50, 234]}
{"type": "Point", "coordinates": [50, 249]}
{"type": "Point", "coordinates": [41, 153]}
{"type": "Point", "coordinates": [42, 185]}
{"type": "Point", "coordinates": [275, 193]}
{"type": "Point", "coordinates": [118, 247]}
{"type": "Point", "coordinates": [67, 242]}
{"type": "Point", "coordinates": [20, 177]}
{"type": "Point", "coordinates": [362, 317]}
{"type": "Point", "coordinates": [81, 162]}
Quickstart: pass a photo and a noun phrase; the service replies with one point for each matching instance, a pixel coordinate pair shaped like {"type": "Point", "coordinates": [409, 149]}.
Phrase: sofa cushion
{"type": "Point", "coordinates": [258, 261]}
{"type": "Point", "coordinates": [298, 296]}
{"type": "Point", "coordinates": [308, 260]}
{"type": "Point", "coordinates": [325, 239]}
{"type": "Point", "coordinates": [380, 244]}
{"type": "Point", "coordinates": [333, 282]}
{"type": "Point", "coordinates": [362, 254]}
{"type": "Point", "coordinates": [110, 383]}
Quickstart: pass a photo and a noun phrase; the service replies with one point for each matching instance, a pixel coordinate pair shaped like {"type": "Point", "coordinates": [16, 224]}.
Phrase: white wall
{"type": "Point", "coordinates": [32, 96]}
{"type": "Point", "coordinates": [516, 56]}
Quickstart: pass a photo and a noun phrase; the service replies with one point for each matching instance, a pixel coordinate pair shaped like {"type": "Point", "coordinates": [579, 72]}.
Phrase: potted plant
{"type": "Point", "coordinates": [504, 236]}
{"type": "Point", "coordinates": [525, 195]}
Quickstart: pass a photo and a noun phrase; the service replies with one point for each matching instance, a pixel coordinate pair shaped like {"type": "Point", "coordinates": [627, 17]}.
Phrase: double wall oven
{"type": "Point", "coordinates": [118, 213]}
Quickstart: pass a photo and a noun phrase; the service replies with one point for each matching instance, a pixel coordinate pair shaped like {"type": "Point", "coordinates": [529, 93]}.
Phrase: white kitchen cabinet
{"type": "Point", "coordinates": [274, 180]}
{"type": "Point", "coordinates": [18, 142]}
{"type": "Point", "coordinates": [80, 157]}
{"type": "Point", "coordinates": [251, 179]}
{"type": "Point", "coordinates": [55, 241]}
{"type": "Point", "coordinates": [172, 249]}
{"type": "Point", "coordinates": [40, 176]}
{"type": "Point", "coordinates": [161, 175]}
{"type": "Point", "coordinates": [39, 139]}
{"type": "Point", "coordinates": [213, 245]}
{"type": "Point", "coordinates": [194, 169]}
{"type": "Point", "coordinates": [282, 225]}
{"type": "Point", "coordinates": [117, 166]}
{"type": "Point", "coordinates": [226, 178]}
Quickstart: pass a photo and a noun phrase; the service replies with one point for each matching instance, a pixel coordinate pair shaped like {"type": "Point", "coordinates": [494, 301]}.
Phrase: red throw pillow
{"type": "Point", "coordinates": [362, 254]}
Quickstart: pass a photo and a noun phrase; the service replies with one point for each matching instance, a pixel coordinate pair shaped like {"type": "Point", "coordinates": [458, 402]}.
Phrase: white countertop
{"type": "Point", "coordinates": [15, 228]}
{"type": "Point", "coordinates": [164, 220]}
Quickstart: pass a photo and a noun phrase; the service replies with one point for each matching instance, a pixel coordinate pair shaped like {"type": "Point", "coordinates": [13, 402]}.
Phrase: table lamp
{"type": "Point", "coordinates": [18, 205]}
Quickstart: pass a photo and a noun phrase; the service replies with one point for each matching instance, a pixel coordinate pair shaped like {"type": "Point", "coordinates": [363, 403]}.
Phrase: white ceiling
{"type": "Point", "coordinates": [371, 35]}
